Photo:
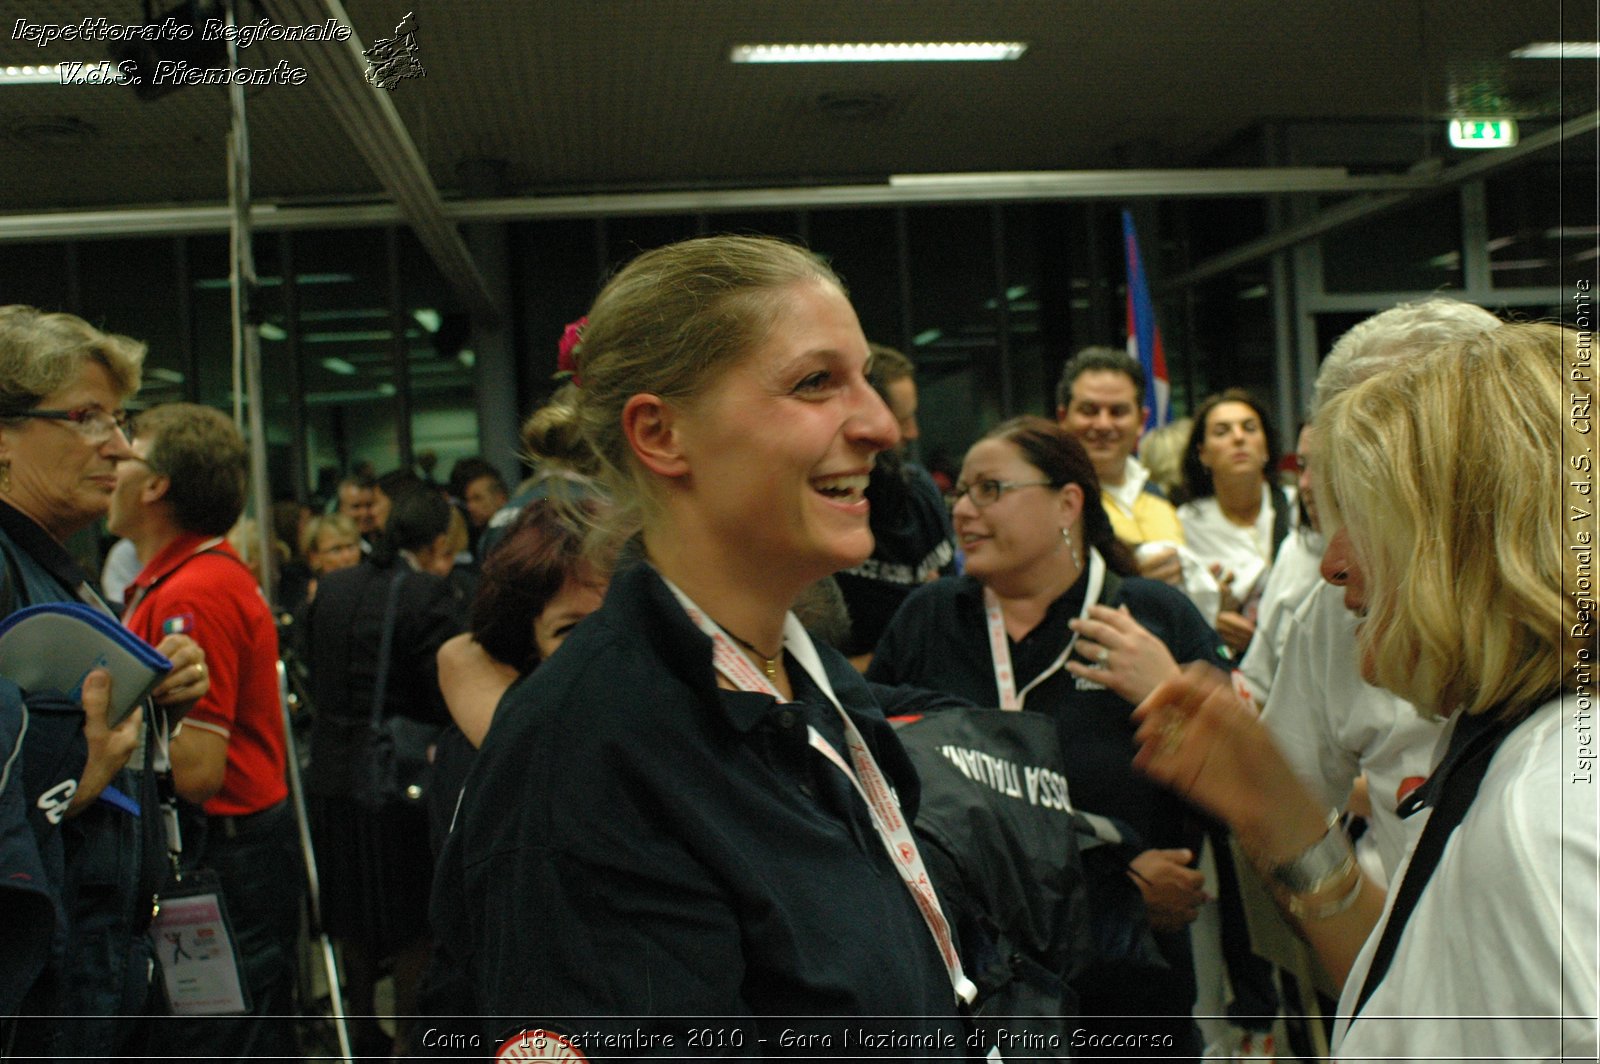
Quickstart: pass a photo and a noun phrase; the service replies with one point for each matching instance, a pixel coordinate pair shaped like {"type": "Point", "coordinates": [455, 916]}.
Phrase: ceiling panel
{"type": "Point", "coordinates": [563, 96]}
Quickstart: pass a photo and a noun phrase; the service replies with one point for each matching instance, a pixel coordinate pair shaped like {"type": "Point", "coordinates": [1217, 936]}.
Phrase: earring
{"type": "Point", "coordinates": [1066, 537]}
{"type": "Point", "coordinates": [5, 478]}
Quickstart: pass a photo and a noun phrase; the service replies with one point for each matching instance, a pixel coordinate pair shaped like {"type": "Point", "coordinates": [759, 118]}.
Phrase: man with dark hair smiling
{"type": "Point", "coordinates": [1100, 400]}
{"type": "Point", "coordinates": [176, 497]}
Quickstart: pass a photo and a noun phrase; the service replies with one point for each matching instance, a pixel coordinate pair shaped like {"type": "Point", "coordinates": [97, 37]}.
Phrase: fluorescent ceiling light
{"type": "Point", "coordinates": [98, 71]}
{"type": "Point", "coordinates": [339, 366]}
{"type": "Point", "coordinates": [881, 52]}
{"type": "Point", "coordinates": [209, 284]}
{"type": "Point", "coordinates": [1558, 50]}
{"type": "Point", "coordinates": [356, 336]}
{"type": "Point", "coordinates": [271, 331]}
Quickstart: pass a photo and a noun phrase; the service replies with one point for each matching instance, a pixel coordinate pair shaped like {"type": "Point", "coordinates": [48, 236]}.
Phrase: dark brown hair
{"type": "Point", "coordinates": [1196, 477]}
{"type": "Point", "coordinates": [542, 549]}
{"type": "Point", "coordinates": [205, 461]}
{"type": "Point", "coordinates": [1053, 451]}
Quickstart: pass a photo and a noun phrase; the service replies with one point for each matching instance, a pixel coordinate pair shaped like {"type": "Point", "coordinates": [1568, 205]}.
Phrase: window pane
{"type": "Point", "coordinates": [954, 319]}
{"type": "Point", "coordinates": [36, 275]}
{"type": "Point", "coordinates": [1541, 224]}
{"type": "Point", "coordinates": [1415, 248]}
{"type": "Point", "coordinates": [131, 287]}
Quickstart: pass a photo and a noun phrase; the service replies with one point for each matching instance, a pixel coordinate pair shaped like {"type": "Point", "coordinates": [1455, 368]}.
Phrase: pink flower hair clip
{"type": "Point", "coordinates": [567, 350]}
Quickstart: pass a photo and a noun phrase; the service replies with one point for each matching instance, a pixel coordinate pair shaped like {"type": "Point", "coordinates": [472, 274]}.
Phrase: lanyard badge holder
{"type": "Point", "coordinates": [1005, 677]}
{"type": "Point", "coordinates": [863, 773]}
{"type": "Point", "coordinates": [192, 937]}
{"type": "Point", "coordinates": [195, 946]}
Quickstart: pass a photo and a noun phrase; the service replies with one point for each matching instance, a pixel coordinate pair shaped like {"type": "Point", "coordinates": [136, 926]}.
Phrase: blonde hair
{"type": "Point", "coordinates": [669, 324]}
{"type": "Point", "coordinates": [552, 440]}
{"type": "Point", "coordinates": [338, 524]}
{"type": "Point", "coordinates": [1161, 451]}
{"type": "Point", "coordinates": [42, 353]}
{"type": "Point", "coordinates": [1443, 470]}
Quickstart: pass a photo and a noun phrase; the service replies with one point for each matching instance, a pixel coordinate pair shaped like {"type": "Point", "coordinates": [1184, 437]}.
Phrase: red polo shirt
{"type": "Point", "coordinates": [199, 586]}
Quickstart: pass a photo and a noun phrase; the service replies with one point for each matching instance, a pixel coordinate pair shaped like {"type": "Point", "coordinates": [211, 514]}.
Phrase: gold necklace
{"type": "Point", "coordinates": [768, 665]}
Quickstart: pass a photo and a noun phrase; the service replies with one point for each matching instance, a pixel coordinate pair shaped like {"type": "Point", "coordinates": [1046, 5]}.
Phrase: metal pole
{"type": "Point", "coordinates": [246, 330]}
{"type": "Point", "coordinates": [297, 796]}
{"type": "Point", "coordinates": [247, 350]}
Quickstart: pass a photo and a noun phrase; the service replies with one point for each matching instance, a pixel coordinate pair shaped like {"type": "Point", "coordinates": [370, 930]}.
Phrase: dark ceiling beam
{"type": "Point", "coordinates": [1337, 217]}
{"type": "Point", "coordinates": [338, 72]}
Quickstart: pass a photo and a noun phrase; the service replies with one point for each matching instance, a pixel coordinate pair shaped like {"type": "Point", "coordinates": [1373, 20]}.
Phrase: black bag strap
{"type": "Point", "coordinates": [1459, 777]}
{"type": "Point", "coordinates": [380, 685]}
{"type": "Point", "coordinates": [10, 581]}
{"type": "Point", "coordinates": [1282, 515]}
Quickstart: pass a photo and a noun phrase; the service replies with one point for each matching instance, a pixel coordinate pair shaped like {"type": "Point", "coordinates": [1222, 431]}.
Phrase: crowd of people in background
{"type": "Point", "coordinates": [679, 688]}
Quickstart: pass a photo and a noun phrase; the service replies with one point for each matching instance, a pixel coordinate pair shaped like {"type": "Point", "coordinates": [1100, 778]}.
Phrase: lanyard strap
{"type": "Point", "coordinates": [156, 723]}
{"type": "Point", "coordinates": [866, 777]}
{"type": "Point", "coordinates": [1005, 678]}
{"type": "Point", "coordinates": [140, 592]}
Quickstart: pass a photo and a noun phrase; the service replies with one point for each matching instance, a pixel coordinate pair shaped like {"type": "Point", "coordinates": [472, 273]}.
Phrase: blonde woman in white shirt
{"type": "Point", "coordinates": [1473, 581]}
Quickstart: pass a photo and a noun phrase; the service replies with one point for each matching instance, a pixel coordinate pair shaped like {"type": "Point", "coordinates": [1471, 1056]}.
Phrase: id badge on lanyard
{"type": "Point", "coordinates": [866, 777]}
{"type": "Point", "coordinates": [1005, 678]}
{"type": "Point", "coordinates": [194, 944]}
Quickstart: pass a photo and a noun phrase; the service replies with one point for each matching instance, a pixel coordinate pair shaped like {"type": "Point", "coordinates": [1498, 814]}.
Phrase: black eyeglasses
{"type": "Point", "coordinates": [90, 421]}
{"type": "Point", "coordinates": [985, 493]}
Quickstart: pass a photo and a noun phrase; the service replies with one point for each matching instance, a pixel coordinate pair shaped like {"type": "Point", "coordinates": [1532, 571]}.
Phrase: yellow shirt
{"type": "Point", "coordinates": [1152, 518]}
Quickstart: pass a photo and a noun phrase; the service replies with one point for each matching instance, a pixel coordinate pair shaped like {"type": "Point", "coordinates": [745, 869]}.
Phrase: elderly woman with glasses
{"type": "Point", "coordinates": [1051, 617]}
{"type": "Point", "coordinates": [100, 845]}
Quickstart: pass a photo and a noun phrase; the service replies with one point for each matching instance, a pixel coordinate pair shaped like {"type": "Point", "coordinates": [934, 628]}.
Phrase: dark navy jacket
{"type": "Point", "coordinates": [98, 863]}
{"type": "Point", "coordinates": [637, 848]}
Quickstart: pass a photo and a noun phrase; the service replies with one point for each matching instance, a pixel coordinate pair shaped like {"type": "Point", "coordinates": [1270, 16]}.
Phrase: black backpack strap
{"type": "Point", "coordinates": [1459, 777]}
{"type": "Point", "coordinates": [1282, 516]}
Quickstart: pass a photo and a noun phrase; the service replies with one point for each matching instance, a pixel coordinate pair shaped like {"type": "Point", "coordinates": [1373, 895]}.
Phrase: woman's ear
{"type": "Point", "coordinates": [650, 424]}
{"type": "Point", "coordinates": [1071, 500]}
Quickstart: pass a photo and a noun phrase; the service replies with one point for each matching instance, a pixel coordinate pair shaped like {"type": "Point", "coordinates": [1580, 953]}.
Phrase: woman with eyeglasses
{"type": "Point", "coordinates": [1051, 617]}
{"type": "Point", "coordinates": [63, 429]}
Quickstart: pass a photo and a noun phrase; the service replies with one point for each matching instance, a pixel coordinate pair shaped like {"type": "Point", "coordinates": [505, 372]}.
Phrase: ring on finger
{"type": "Point", "coordinates": [1101, 658]}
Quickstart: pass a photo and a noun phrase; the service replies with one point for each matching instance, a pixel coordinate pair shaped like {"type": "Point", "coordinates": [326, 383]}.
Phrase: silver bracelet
{"type": "Point", "coordinates": [1320, 865]}
{"type": "Point", "coordinates": [1305, 910]}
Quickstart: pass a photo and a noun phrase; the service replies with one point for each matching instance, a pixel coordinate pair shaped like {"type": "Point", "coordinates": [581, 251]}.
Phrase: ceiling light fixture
{"type": "Point", "coordinates": [90, 71]}
{"type": "Point", "coordinates": [880, 52]}
{"type": "Point", "coordinates": [1558, 50]}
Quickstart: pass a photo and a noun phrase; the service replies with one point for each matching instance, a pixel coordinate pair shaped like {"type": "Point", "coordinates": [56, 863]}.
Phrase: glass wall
{"type": "Point", "coordinates": [369, 362]}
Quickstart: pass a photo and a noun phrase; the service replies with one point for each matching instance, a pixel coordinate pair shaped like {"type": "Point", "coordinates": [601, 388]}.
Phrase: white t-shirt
{"type": "Point", "coordinates": [1502, 943]}
{"type": "Point", "coordinates": [1246, 552]}
{"type": "Point", "coordinates": [1295, 575]}
{"type": "Point", "coordinates": [1333, 726]}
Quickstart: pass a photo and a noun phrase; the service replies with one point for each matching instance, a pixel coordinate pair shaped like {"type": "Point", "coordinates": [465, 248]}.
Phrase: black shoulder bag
{"type": "Point", "coordinates": [393, 768]}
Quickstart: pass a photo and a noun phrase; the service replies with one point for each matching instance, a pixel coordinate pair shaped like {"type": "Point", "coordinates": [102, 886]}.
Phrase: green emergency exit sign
{"type": "Point", "coordinates": [1483, 132]}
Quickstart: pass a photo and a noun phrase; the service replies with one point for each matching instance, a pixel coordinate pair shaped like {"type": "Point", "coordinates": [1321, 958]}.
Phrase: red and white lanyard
{"type": "Point", "coordinates": [140, 592]}
{"type": "Point", "coordinates": [1005, 679]}
{"type": "Point", "coordinates": [867, 777]}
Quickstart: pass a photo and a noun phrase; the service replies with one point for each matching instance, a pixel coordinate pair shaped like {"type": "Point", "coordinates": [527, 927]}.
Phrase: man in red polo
{"type": "Point", "coordinates": [176, 498]}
